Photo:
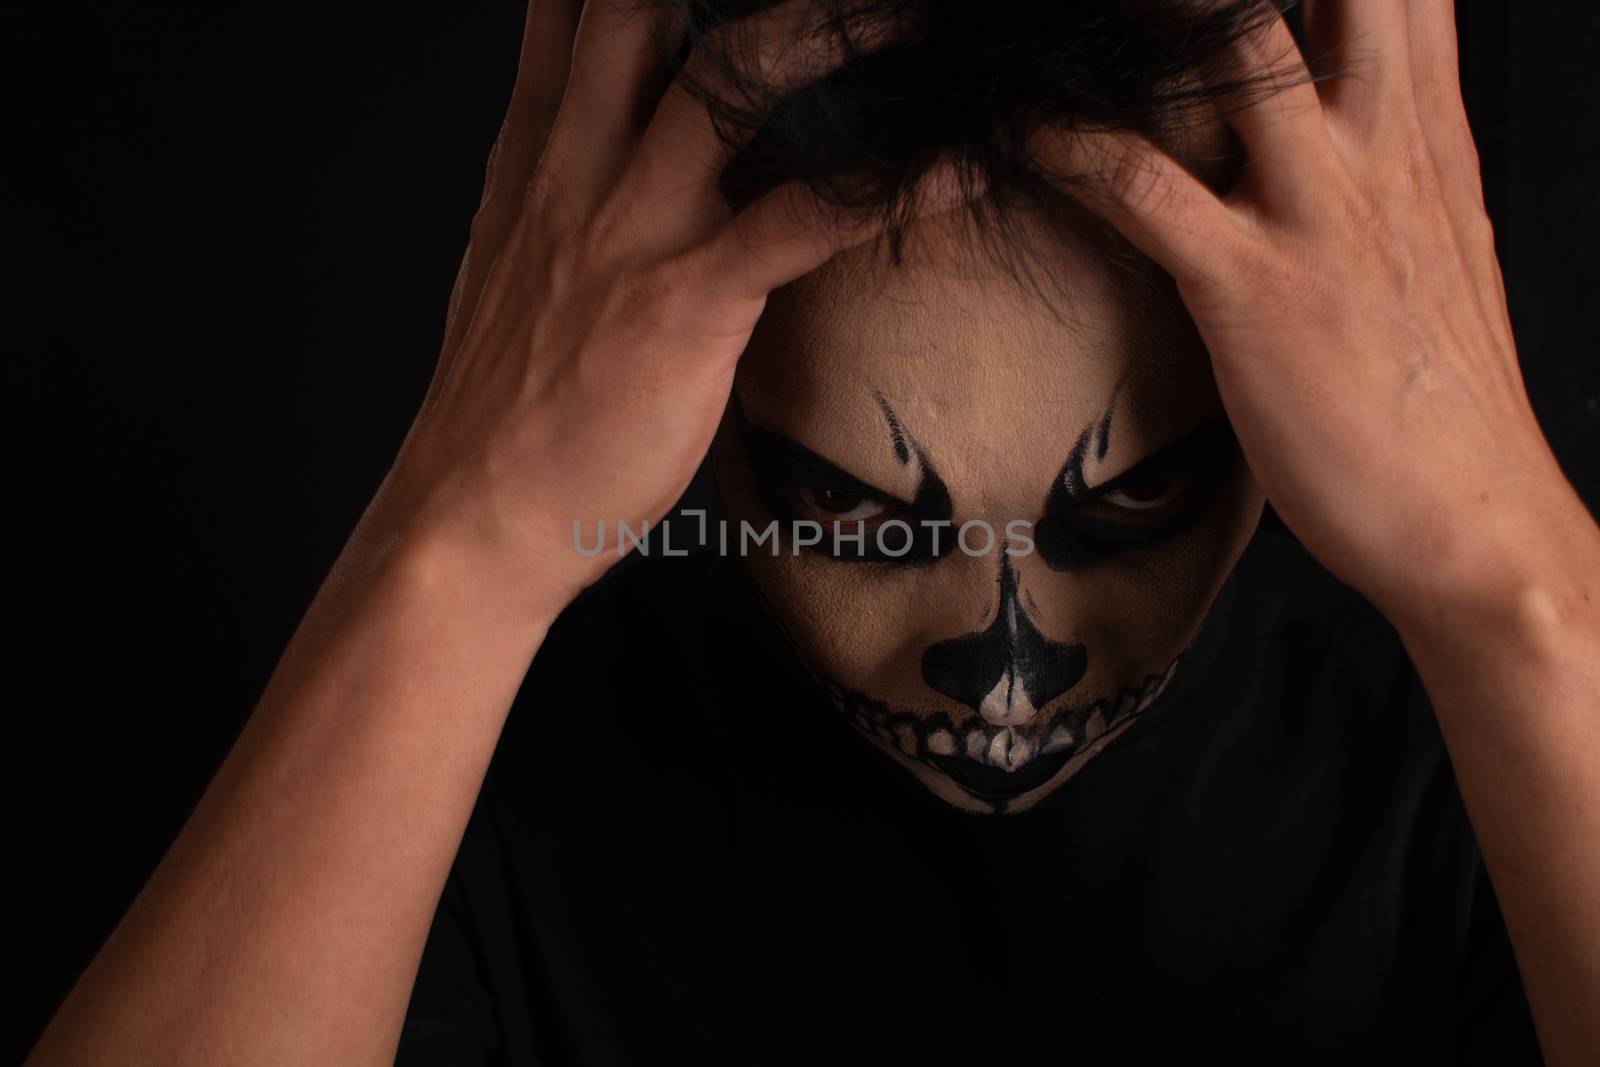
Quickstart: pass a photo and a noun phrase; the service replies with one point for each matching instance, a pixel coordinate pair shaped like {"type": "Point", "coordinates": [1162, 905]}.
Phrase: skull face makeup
{"type": "Point", "coordinates": [1084, 450]}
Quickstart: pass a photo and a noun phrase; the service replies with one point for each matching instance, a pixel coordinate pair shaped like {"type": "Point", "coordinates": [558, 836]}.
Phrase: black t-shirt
{"type": "Point", "coordinates": [683, 855]}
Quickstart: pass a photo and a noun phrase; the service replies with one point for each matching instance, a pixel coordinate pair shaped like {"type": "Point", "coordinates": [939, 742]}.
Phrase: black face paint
{"type": "Point", "coordinates": [1080, 527]}
{"type": "Point", "coordinates": [995, 765]}
{"type": "Point", "coordinates": [783, 468]}
{"type": "Point", "coordinates": [902, 451]}
{"type": "Point", "coordinates": [1011, 656]}
{"type": "Point", "coordinates": [1003, 728]}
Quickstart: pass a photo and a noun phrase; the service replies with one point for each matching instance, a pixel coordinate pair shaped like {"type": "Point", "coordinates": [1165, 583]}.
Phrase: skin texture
{"type": "Point", "coordinates": [1346, 289]}
{"type": "Point", "coordinates": [993, 677]}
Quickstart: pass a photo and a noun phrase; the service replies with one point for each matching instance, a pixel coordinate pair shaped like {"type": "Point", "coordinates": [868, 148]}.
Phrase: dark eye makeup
{"type": "Point", "coordinates": [797, 485]}
{"type": "Point", "coordinates": [1145, 505]}
{"type": "Point", "coordinates": [1151, 502]}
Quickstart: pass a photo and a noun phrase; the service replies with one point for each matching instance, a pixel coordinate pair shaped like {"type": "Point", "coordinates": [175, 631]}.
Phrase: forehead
{"type": "Point", "coordinates": [979, 371]}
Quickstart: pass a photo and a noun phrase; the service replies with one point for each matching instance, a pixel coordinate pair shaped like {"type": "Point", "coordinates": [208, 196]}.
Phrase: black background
{"type": "Point", "coordinates": [231, 230]}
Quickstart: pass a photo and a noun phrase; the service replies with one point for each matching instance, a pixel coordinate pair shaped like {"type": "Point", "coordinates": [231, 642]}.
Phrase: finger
{"type": "Point", "coordinates": [1436, 78]}
{"type": "Point", "coordinates": [1436, 74]}
{"type": "Point", "coordinates": [782, 49]}
{"type": "Point", "coordinates": [1166, 212]}
{"type": "Point", "coordinates": [790, 232]}
{"type": "Point", "coordinates": [1364, 43]}
{"type": "Point", "coordinates": [542, 68]}
{"type": "Point", "coordinates": [620, 65]}
{"type": "Point", "coordinates": [1271, 101]}
{"type": "Point", "coordinates": [542, 72]}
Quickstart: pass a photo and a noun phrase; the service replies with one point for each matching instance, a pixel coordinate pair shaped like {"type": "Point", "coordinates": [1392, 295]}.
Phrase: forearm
{"type": "Point", "coordinates": [286, 923]}
{"type": "Point", "coordinates": [1512, 665]}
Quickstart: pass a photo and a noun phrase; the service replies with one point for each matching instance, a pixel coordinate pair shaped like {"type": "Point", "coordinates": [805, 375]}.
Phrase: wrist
{"type": "Point", "coordinates": [1521, 582]}
{"type": "Point", "coordinates": [452, 545]}
{"type": "Point", "coordinates": [456, 555]}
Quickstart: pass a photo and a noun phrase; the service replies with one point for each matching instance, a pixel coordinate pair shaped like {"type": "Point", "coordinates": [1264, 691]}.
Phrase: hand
{"type": "Point", "coordinates": [1348, 291]}
{"type": "Point", "coordinates": [606, 295]}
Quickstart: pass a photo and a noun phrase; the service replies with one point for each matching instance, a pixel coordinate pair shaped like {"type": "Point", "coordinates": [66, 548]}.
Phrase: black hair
{"type": "Point", "coordinates": [959, 82]}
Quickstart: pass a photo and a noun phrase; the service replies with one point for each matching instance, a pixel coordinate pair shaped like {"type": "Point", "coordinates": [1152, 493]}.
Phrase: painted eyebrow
{"type": "Point", "coordinates": [804, 460]}
{"type": "Point", "coordinates": [897, 433]}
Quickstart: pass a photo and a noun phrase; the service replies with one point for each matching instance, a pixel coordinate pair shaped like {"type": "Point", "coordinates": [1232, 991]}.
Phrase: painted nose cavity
{"type": "Point", "coordinates": [1010, 670]}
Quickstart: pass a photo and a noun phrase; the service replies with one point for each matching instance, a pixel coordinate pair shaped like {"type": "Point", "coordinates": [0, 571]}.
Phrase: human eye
{"type": "Point", "coordinates": [1138, 512]}
{"type": "Point", "coordinates": [857, 525]}
{"type": "Point", "coordinates": [836, 504]}
{"type": "Point", "coordinates": [798, 486]}
{"type": "Point", "coordinates": [1138, 515]}
{"type": "Point", "coordinates": [1144, 507]}
{"type": "Point", "coordinates": [1150, 500]}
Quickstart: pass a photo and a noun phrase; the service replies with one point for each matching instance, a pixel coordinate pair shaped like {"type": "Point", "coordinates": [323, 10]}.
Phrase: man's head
{"type": "Point", "coordinates": [1081, 445]}
{"type": "Point", "coordinates": [1046, 493]}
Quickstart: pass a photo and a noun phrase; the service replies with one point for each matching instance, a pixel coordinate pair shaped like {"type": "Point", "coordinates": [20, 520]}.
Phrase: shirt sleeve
{"type": "Point", "coordinates": [451, 1018]}
{"type": "Point", "coordinates": [1491, 1020]}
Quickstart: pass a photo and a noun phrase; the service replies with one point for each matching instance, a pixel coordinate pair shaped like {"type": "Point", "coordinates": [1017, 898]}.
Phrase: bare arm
{"type": "Point", "coordinates": [1510, 656]}
{"type": "Point", "coordinates": [286, 923]}
{"type": "Point", "coordinates": [1349, 293]}
{"type": "Point", "coordinates": [603, 303]}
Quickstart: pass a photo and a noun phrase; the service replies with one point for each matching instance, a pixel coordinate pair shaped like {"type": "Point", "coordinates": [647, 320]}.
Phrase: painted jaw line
{"type": "Point", "coordinates": [998, 764]}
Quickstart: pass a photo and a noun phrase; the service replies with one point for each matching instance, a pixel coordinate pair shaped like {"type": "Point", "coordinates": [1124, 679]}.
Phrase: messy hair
{"type": "Point", "coordinates": [960, 83]}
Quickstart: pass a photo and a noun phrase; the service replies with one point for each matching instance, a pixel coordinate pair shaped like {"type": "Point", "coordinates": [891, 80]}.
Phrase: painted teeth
{"type": "Point", "coordinates": [1008, 751]}
{"type": "Point", "coordinates": [1059, 738]}
{"type": "Point", "coordinates": [1005, 749]}
{"type": "Point", "coordinates": [977, 746]}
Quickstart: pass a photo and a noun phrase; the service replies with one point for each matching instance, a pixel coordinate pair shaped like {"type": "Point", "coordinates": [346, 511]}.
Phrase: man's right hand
{"type": "Point", "coordinates": [607, 292]}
